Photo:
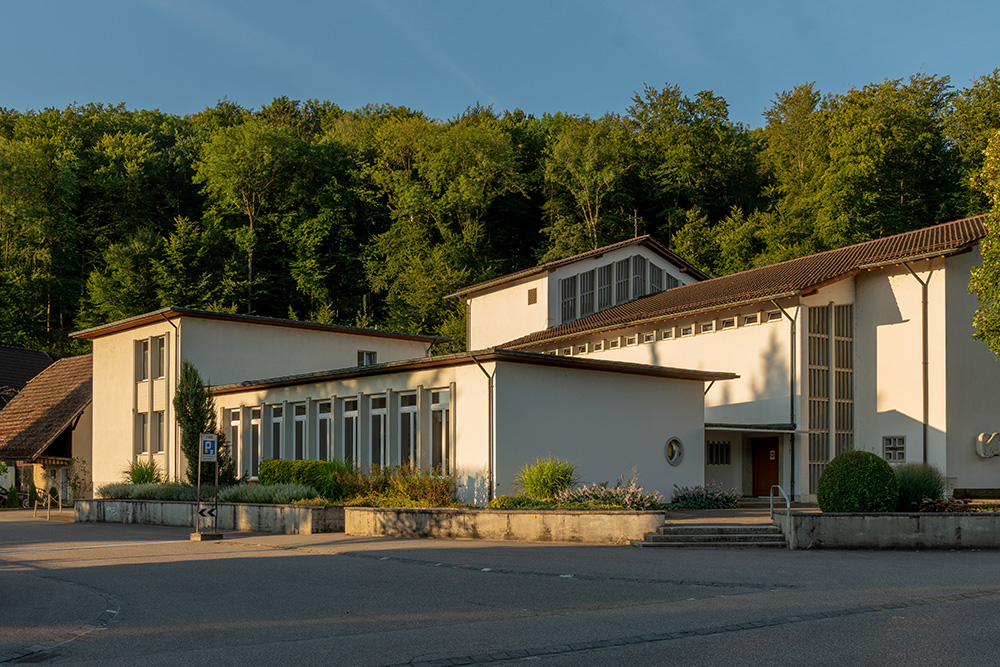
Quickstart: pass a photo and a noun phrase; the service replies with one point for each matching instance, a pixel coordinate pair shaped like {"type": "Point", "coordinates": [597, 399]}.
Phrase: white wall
{"type": "Point", "coordinates": [973, 380]}
{"type": "Point", "coordinates": [605, 423]}
{"type": "Point", "coordinates": [503, 314]}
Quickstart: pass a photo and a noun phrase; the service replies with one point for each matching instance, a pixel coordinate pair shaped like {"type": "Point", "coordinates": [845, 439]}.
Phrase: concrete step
{"type": "Point", "coordinates": [713, 536]}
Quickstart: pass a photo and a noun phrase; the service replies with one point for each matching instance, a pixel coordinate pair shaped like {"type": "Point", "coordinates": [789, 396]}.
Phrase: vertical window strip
{"type": "Point", "coordinates": [818, 365]}
{"type": "Point", "coordinates": [604, 287]}
{"type": "Point", "coordinates": [567, 298]}
{"type": "Point", "coordinates": [655, 279]}
{"type": "Point", "coordinates": [587, 293]}
{"type": "Point", "coordinates": [639, 269]}
{"type": "Point", "coordinates": [621, 281]}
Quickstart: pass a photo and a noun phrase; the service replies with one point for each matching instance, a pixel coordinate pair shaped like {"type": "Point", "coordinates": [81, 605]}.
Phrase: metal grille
{"type": "Point", "coordinates": [819, 393]}
{"type": "Point", "coordinates": [843, 342]}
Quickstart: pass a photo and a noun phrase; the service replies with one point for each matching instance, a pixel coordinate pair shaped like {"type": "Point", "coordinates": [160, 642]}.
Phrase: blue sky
{"type": "Point", "coordinates": [578, 57]}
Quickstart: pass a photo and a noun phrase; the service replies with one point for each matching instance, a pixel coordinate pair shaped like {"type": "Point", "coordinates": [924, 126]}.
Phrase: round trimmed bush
{"type": "Point", "coordinates": [857, 481]}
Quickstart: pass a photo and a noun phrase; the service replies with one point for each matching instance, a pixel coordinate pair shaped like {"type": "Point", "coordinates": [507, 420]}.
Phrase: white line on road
{"type": "Point", "coordinates": [93, 546]}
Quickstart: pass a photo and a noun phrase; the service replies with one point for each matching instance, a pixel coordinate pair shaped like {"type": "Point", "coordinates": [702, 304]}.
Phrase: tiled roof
{"type": "Point", "coordinates": [173, 312]}
{"type": "Point", "coordinates": [45, 407]}
{"type": "Point", "coordinates": [789, 278]}
{"type": "Point", "coordinates": [647, 241]}
{"type": "Point", "coordinates": [17, 366]}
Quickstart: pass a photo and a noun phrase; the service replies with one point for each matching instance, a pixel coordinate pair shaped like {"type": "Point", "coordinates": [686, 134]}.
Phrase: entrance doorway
{"type": "Point", "coordinates": [765, 464]}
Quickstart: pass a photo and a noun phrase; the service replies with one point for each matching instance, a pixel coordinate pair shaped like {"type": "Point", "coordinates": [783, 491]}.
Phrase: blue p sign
{"type": "Point", "coordinates": [209, 447]}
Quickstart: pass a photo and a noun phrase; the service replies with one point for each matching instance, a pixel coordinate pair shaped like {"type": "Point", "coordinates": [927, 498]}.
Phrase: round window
{"type": "Point", "coordinates": [674, 451]}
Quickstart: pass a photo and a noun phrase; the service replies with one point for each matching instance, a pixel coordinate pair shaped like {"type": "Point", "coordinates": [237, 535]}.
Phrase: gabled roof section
{"type": "Point", "coordinates": [647, 241]}
{"type": "Point", "coordinates": [46, 406]}
{"type": "Point", "coordinates": [467, 358]}
{"type": "Point", "coordinates": [17, 367]}
{"type": "Point", "coordinates": [790, 278]}
{"type": "Point", "coordinates": [174, 312]}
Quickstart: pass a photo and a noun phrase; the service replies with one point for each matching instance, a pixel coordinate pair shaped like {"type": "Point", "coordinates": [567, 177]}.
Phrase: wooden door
{"type": "Point", "coordinates": [765, 464]}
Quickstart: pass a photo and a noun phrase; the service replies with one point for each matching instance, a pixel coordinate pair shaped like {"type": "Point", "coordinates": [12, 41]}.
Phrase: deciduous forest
{"type": "Point", "coordinates": [371, 216]}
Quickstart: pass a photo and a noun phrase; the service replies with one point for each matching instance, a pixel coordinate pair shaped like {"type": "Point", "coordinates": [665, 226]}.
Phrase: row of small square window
{"type": "Point", "coordinates": [671, 333]}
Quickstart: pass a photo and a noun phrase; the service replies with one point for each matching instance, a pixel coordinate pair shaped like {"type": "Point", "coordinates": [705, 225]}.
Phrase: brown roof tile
{"type": "Point", "coordinates": [45, 407]}
{"type": "Point", "coordinates": [647, 241]}
{"type": "Point", "coordinates": [764, 283]}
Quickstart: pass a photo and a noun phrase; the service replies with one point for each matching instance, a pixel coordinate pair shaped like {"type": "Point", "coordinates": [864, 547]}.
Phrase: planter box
{"type": "Point", "coordinates": [901, 530]}
{"type": "Point", "coordinates": [595, 527]}
{"type": "Point", "coordinates": [246, 517]}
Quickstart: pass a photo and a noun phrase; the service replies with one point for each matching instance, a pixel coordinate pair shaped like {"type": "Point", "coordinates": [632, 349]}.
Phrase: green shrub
{"type": "Point", "coordinates": [518, 502]}
{"type": "Point", "coordinates": [857, 481]}
{"type": "Point", "coordinates": [142, 472]}
{"type": "Point", "coordinates": [709, 497]}
{"type": "Point", "coordinates": [542, 479]}
{"type": "Point", "coordinates": [11, 500]}
{"type": "Point", "coordinates": [279, 494]}
{"type": "Point", "coordinates": [33, 497]}
{"type": "Point", "coordinates": [917, 482]}
{"type": "Point", "coordinates": [170, 491]}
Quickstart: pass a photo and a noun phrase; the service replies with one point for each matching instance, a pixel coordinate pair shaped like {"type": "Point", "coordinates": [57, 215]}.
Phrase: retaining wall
{"type": "Point", "coordinates": [603, 527]}
{"type": "Point", "coordinates": [923, 530]}
{"type": "Point", "coordinates": [257, 518]}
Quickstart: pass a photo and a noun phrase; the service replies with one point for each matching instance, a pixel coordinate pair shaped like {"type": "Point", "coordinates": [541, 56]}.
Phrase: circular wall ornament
{"type": "Point", "coordinates": [674, 451]}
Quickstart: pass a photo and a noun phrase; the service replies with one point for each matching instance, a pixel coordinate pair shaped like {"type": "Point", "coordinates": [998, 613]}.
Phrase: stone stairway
{"type": "Point", "coordinates": [709, 536]}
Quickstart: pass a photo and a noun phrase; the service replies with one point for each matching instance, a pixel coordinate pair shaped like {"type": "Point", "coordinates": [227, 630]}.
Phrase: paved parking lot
{"type": "Point", "coordinates": [98, 594]}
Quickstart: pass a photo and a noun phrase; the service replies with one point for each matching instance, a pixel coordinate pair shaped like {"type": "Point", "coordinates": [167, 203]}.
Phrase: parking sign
{"type": "Point", "coordinates": [209, 447]}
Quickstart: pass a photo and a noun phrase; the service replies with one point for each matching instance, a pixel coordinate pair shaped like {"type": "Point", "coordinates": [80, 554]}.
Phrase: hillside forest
{"type": "Point", "coordinates": [369, 217]}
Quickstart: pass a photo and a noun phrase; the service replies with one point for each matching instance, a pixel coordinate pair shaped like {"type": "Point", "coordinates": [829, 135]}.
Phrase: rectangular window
{"type": "Point", "coordinates": [604, 287]}
{"type": "Point", "coordinates": [587, 293]}
{"type": "Point", "coordinates": [688, 330]}
{"type": "Point", "coordinates": [299, 432]}
{"type": "Point", "coordinates": [440, 428]}
{"type": "Point", "coordinates": [255, 452]}
{"type": "Point", "coordinates": [614, 343]}
{"type": "Point", "coordinates": [567, 351]}
{"type": "Point", "coordinates": [728, 323]}
{"type": "Point", "coordinates": [649, 337]}
{"type": "Point", "coordinates": [141, 360]}
{"type": "Point", "coordinates": [631, 340]}
{"type": "Point", "coordinates": [142, 433]}
{"type": "Point", "coordinates": [581, 349]}
{"type": "Point", "coordinates": [277, 418]}
{"type": "Point", "coordinates": [233, 432]}
{"type": "Point", "coordinates": [377, 432]}
{"type": "Point", "coordinates": [707, 327]}
{"type": "Point", "coordinates": [672, 282]}
{"type": "Point", "coordinates": [774, 316]}
{"type": "Point", "coordinates": [351, 431]}
{"type": "Point", "coordinates": [750, 320]}
{"type": "Point", "coordinates": [323, 430]}
{"type": "Point", "coordinates": [667, 334]}
{"type": "Point", "coordinates": [408, 430]}
{"type": "Point", "coordinates": [621, 281]}
{"type": "Point", "coordinates": [599, 346]}
{"type": "Point", "coordinates": [894, 448]}
{"type": "Point", "coordinates": [367, 358]}
{"type": "Point", "coordinates": [567, 297]}
{"type": "Point", "coordinates": [159, 356]}
{"type": "Point", "coordinates": [158, 432]}
{"type": "Point", "coordinates": [532, 296]}
{"type": "Point", "coordinates": [719, 453]}
{"type": "Point", "coordinates": [655, 279]}
{"type": "Point", "coordinates": [639, 269]}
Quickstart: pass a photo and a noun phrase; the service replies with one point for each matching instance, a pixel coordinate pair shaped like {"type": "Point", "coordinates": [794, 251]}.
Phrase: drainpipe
{"type": "Point", "coordinates": [791, 394]}
{"type": "Point", "coordinates": [489, 428]}
{"type": "Point", "coordinates": [924, 354]}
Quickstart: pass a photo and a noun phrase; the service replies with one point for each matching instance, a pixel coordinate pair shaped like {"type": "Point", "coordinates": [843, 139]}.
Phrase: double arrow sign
{"type": "Point", "coordinates": [206, 511]}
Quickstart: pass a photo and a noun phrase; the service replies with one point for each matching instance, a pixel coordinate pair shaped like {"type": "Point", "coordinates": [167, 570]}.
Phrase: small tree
{"type": "Point", "coordinates": [195, 409]}
{"type": "Point", "coordinates": [985, 280]}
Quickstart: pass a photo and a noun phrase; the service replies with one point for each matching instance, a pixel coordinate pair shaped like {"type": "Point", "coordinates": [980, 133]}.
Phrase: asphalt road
{"type": "Point", "coordinates": [99, 594]}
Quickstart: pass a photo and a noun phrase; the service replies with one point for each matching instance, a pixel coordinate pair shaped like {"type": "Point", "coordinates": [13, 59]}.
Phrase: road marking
{"type": "Point", "coordinates": [92, 546]}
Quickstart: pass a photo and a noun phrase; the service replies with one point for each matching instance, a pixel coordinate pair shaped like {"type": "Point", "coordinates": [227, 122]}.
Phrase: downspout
{"type": "Point", "coordinates": [925, 379]}
{"type": "Point", "coordinates": [791, 395]}
{"type": "Point", "coordinates": [489, 428]}
{"type": "Point", "coordinates": [170, 402]}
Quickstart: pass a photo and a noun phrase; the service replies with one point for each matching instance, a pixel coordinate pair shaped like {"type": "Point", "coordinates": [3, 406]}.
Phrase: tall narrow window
{"type": "Point", "coordinates": [440, 446]}
{"type": "Point", "coordinates": [234, 431]}
{"type": "Point", "coordinates": [323, 428]}
{"type": "Point", "coordinates": [255, 452]}
{"type": "Point", "coordinates": [141, 360]}
{"type": "Point", "coordinates": [567, 297]}
{"type": "Point", "coordinates": [142, 433]}
{"type": "Point", "coordinates": [300, 432]}
{"type": "Point", "coordinates": [277, 419]}
{"type": "Point", "coordinates": [377, 431]}
{"type": "Point", "coordinates": [672, 282]}
{"type": "Point", "coordinates": [621, 281]}
{"type": "Point", "coordinates": [587, 293]}
{"type": "Point", "coordinates": [159, 356]}
{"type": "Point", "coordinates": [639, 268]}
{"type": "Point", "coordinates": [655, 279]}
{"type": "Point", "coordinates": [157, 432]}
{"type": "Point", "coordinates": [408, 429]}
{"type": "Point", "coordinates": [351, 430]}
{"type": "Point", "coordinates": [604, 287]}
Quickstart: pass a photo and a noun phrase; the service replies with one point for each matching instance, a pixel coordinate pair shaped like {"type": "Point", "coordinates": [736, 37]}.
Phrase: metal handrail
{"type": "Point", "coordinates": [788, 509]}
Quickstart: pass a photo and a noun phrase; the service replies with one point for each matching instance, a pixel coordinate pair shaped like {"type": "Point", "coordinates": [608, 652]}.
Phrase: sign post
{"type": "Point", "coordinates": [208, 452]}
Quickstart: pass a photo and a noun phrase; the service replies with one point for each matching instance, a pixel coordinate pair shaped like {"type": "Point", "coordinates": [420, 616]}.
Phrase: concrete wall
{"type": "Point", "coordinates": [607, 424]}
{"type": "Point", "coordinates": [516, 525]}
{"type": "Point", "coordinates": [241, 517]}
{"type": "Point", "coordinates": [973, 381]}
{"type": "Point", "coordinates": [890, 531]}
